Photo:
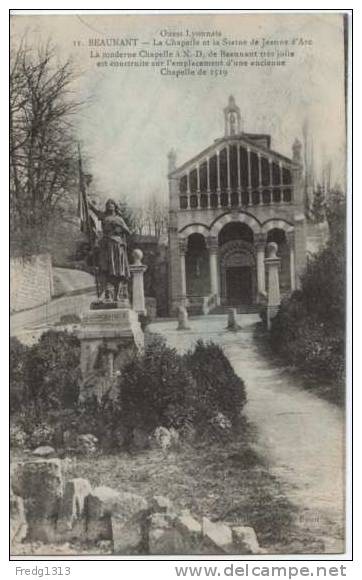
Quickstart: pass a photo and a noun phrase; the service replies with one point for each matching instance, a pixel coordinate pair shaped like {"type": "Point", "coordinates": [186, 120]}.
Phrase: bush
{"type": "Point", "coordinates": [156, 389]}
{"type": "Point", "coordinates": [46, 375]}
{"type": "Point", "coordinates": [197, 391]}
{"type": "Point", "coordinates": [198, 394]}
{"type": "Point", "coordinates": [309, 330]}
{"type": "Point", "coordinates": [19, 392]}
{"type": "Point", "coordinates": [218, 389]}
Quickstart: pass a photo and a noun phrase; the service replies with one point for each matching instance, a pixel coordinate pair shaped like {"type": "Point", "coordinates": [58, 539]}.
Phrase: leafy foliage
{"type": "Point", "coordinates": [219, 389]}
{"type": "Point", "coordinates": [197, 393]}
{"type": "Point", "coordinates": [309, 330]}
{"type": "Point", "coordinates": [318, 205]}
{"type": "Point", "coordinates": [156, 389]}
{"type": "Point", "coordinates": [45, 375]}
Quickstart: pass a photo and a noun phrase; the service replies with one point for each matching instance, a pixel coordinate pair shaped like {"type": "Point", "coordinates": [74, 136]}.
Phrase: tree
{"type": "Point", "coordinates": [43, 164]}
{"type": "Point", "coordinates": [151, 219]}
{"type": "Point", "coordinates": [318, 205]}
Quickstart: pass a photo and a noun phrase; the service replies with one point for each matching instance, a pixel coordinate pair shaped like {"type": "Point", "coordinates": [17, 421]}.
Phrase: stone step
{"type": "Point", "coordinates": [240, 309]}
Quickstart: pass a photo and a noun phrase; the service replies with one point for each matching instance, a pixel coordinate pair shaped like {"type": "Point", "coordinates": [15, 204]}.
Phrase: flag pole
{"type": "Point", "coordinates": [83, 210]}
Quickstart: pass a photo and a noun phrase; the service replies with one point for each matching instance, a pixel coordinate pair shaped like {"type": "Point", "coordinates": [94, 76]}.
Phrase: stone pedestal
{"type": "Point", "coordinates": [137, 270]}
{"type": "Point", "coordinates": [109, 337]}
{"type": "Point", "coordinates": [272, 266]}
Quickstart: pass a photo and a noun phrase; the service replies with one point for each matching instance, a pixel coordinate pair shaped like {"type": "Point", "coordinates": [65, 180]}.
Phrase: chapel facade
{"type": "Point", "coordinates": [226, 204]}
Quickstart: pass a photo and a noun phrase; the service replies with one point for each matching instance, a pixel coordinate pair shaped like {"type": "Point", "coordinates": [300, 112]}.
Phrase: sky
{"type": "Point", "coordinates": [134, 117]}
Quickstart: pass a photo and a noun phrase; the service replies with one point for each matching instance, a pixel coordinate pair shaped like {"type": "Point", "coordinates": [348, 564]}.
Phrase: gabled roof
{"type": "Point", "coordinates": [247, 139]}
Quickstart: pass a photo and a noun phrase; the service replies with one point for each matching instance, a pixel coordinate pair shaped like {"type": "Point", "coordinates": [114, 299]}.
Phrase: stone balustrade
{"type": "Point", "coordinates": [237, 199]}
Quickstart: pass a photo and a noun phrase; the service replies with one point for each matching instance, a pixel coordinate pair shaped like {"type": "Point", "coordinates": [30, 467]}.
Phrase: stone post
{"type": "Point", "coordinates": [183, 319]}
{"type": "Point", "coordinates": [213, 247]}
{"type": "Point", "coordinates": [182, 250]}
{"type": "Point", "coordinates": [291, 242]}
{"type": "Point", "coordinates": [260, 241]}
{"type": "Point", "coordinates": [272, 265]}
{"type": "Point", "coordinates": [137, 270]}
{"type": "Point", "coordinates": [232, 320]}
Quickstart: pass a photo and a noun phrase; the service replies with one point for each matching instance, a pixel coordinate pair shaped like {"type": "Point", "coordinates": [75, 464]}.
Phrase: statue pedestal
{"type": "Point", "coordinates": [109, 338]}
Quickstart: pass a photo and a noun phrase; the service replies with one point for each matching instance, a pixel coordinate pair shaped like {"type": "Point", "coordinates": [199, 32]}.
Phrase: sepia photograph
{"type": "Point", "coordinates": [178, 284]}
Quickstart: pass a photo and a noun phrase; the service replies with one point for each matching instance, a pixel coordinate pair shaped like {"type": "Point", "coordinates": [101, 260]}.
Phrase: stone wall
{"type": "Point", "coordinates": [31, 281]}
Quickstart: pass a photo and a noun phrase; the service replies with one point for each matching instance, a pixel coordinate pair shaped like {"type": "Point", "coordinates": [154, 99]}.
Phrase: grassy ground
{"type": "Point", "coordinates": [223, 482]}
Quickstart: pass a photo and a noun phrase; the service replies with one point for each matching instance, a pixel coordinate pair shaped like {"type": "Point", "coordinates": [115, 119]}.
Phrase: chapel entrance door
{"type": "Point", "coordinates": [239, 285]}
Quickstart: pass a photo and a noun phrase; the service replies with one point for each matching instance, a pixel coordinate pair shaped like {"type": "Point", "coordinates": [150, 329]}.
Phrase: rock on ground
{"type": "Point", "coordinates": [18, 525]}
{"type": "Point", "coordinates": [245, 540]}
{"type": "Point", "coordinates": [116, 515]}
{"type": "Point", "coordinates": [71, 521]}
{"type": "Point", "coordinates": [217, 537]}
{"type": "Point", "coordinates": [39, 483]}
{"type": "Point", "coordinates": [44, 451]}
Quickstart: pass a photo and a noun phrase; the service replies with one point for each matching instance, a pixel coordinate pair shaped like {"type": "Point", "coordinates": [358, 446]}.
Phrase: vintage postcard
{"type": "Point", "coordinates": [178, 193]}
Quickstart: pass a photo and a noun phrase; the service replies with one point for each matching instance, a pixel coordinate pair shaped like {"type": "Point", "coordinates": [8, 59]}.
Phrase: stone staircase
{"type": "Point", "coordinates": [240, 309]}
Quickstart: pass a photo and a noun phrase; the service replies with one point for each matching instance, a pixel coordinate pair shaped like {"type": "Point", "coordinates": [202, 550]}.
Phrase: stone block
{"type": "Point", "coordinates": [117, 516]}
{"type": "Point", "coordinates": [71, 521]}
{"type": "Point", "coordinates": [173, 534]}
{"type": "Point", "coordinates": [40, 484]}
{"type": "Point", "coordinates": [160, 504]}
{"type": "Point", "coordinates": [44, 451]}
{"type": "Point", "coordinates": [217, 538]}
{"type": "Point", "coordinates": [87, 443]}
{"type": "Point", "coordinates": [18, 525]}
{"type": "Point", "coordinates": [165, 439]}
{"type": "Point", "coordinates": [163, 537]}
{"type": "Point", "coordinates": [109, 337]}
{"type": "Point", "coordinates": [190, 530]}
{"type": "Point", "coordinates": [245, 540]}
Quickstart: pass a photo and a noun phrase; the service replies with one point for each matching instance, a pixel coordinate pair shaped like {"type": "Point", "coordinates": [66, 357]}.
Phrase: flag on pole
{"type": "Point", "coordinates": [83, 209]}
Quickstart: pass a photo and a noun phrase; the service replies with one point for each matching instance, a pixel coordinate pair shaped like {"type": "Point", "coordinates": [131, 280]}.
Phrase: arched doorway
{"type": "Point", "coordinates": [197, 266]}
{"type": "Point", "coordinates": [237, 264]}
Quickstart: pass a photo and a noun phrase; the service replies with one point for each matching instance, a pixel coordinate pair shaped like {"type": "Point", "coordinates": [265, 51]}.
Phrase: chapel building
{"type": "Point", "coordinates": [226, 204]}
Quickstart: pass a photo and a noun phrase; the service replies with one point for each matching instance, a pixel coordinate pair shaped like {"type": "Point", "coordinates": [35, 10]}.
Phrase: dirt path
{"type": "Point", "coordinates": [300, 435]}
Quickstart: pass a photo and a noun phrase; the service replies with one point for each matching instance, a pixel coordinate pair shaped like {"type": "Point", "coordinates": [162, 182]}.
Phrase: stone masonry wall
{"type": "Point", "coordinates": [31, 281]}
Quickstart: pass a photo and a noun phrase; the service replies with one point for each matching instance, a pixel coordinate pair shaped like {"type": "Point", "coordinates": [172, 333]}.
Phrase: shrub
{"type": "Point", "coordinates": [45, 375]}
{"type": "Point", "coordinates": [19, 354]}
{"type": "Point", "coordinates": [218, 389]}
{"type": "Point", "coordinates": [309, 330]}
{"type": "Point", "coordinates": [156, 389]}
{"type": "Point", "coordinates": [195, 393]}
{"type": "Point", "coordinates": [18, 437]}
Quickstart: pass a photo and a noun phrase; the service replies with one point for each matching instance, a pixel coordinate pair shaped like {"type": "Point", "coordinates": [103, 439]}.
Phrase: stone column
{"type": "Point", "coordinates": [218, 178]}
{"type": "Point", "coordinates": [228, 167]}
{"type": "Point", "coordinates": [208, 174]}
{"type": "Point", "coordinates": [198, 185]}
{"type": "Point", "coordinates": [291, 241]}
{"type": "Point", "coordinates": [188, 190]}
{"type": "Point", "coordinates": [260, 242]}
{"type": "Point", "coordinates": [249, 169]}
{"type": "Point", "coordinates": [137, 270]}
{"type": "Point", "coordinates": [239, 173]}
{"type": "Point", "coordinates": [183, 250]}
{"type": "Point", "coordinates": [213, 247]}
{"type": "Point", "coordinates": [259, 170]}
{"type": "Point", "coordinates": [272, 266]}
{"type": "Point", "coordinates": [208, 182]}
